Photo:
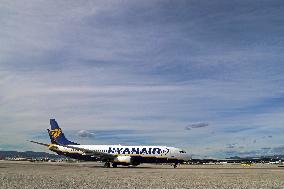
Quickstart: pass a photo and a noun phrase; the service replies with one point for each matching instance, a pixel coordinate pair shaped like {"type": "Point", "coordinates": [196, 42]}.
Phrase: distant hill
{"type": "Point", "coordinates": [275, 157]}
{"type": "Point", "coordinates": [28, 154]}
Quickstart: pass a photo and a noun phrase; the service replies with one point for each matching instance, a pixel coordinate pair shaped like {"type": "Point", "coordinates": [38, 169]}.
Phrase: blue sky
{"type": "Point", "coordinates": [206, 76]}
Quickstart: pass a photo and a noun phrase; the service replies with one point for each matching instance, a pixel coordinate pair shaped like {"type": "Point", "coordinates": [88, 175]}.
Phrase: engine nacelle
{"type": "Point", "coordinates": [123, 160]}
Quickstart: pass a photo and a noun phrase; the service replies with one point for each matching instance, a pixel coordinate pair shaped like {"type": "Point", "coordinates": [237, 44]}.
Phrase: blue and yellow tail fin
{"type": "Point", "coordinates": [57, 136]}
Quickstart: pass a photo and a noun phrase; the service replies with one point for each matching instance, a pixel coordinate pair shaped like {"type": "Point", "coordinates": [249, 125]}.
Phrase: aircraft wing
{"type": "Point", "coordinates": [99, 155]}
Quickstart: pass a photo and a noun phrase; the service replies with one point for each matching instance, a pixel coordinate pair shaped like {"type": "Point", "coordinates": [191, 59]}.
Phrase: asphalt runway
{"type": "Point", "coordinates": [92, 175]}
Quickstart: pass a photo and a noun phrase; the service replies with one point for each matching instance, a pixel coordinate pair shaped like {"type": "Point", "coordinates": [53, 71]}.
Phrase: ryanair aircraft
{"type": "Point", "coordinates": [113, 154]}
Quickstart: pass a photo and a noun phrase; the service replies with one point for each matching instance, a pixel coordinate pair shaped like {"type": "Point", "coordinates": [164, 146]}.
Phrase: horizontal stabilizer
{"type": "Point", "coordinates": [40, 143]}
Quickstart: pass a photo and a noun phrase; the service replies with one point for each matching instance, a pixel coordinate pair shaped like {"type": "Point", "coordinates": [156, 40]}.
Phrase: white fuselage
{"type": "Point", "coordinates": [157, 152]}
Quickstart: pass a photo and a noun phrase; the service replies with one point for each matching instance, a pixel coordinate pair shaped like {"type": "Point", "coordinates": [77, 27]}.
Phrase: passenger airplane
{"type": "Point", "coordinates": [113, 154]}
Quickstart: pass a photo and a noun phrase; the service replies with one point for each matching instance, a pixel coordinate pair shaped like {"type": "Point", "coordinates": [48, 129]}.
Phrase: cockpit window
{"type": "Point", "coordinates": [182, 152]}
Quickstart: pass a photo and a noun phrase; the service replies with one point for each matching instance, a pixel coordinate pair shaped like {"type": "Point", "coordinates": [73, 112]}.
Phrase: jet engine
{"type": "Point", "coordinates": [123, 160]}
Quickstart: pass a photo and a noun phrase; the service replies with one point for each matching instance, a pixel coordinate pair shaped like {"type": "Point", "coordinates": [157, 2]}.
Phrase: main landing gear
{"type": "Point", "coordinates": [107, 165]}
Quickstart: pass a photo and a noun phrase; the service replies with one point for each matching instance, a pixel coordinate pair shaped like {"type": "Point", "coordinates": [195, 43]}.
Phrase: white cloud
{"type": "Point", "coordinates": [109, 65]}
{"type": "Point", "coordinates": [85, 134]}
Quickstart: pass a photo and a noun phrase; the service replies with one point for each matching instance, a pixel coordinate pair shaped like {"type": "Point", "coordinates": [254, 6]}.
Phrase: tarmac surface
{"type": "Point", "coordinates": [26, 175]}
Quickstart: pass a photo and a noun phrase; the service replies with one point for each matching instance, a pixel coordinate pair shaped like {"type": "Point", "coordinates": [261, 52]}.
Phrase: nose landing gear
{"type": "Point", "coordinates": [175, 165]}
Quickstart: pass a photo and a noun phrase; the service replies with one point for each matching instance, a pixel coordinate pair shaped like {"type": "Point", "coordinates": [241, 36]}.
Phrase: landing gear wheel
{"type": "Point", "coordinates": [175, 165]}
{"type": "Point", "coordinates": [107, 165]}
{"type": "Point", "coordinates": [114, 165]}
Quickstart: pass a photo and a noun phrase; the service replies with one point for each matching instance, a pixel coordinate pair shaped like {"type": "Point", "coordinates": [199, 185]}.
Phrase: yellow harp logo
{"type": "Point", "coordinates": [56, 133]}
